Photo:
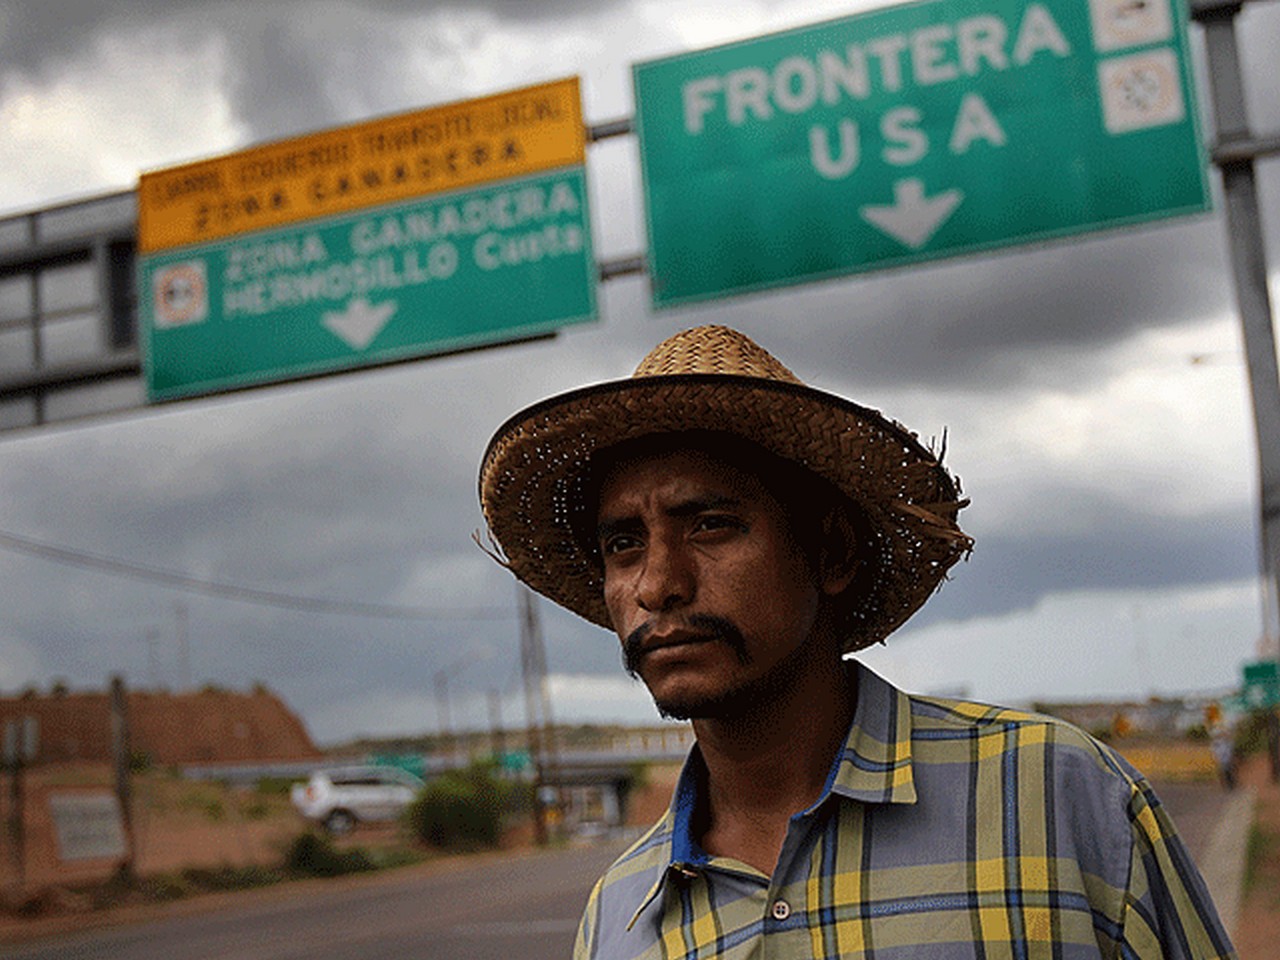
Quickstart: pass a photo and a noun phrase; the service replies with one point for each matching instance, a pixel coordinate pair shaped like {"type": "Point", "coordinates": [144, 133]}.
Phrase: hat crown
{"type": "Point", "coordinates": [715, 350]}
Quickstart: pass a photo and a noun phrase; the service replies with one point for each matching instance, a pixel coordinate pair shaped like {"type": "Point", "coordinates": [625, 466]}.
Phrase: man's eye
{"type": "Point", "coordinates": [618, 543]}
{"type": "Point", "coordinates": [717, 521]}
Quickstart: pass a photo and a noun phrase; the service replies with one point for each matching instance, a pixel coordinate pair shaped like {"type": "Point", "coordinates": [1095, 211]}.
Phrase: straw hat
{"type": "Point", "coordinates": [714, 378]}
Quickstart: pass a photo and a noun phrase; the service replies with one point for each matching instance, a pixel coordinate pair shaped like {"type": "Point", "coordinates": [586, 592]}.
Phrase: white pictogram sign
{"type": "Point", "coordinates": [1118, 24]}
{"type": "Point", "coordinates": [181, 294]}
{"type": "Point", "coordinates": [1140, 91]}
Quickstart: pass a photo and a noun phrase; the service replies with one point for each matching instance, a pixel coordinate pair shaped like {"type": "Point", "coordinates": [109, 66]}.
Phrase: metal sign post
{"type": "Point", "coordinates": [21, 744]}
{"type": "Point", "coordinates": [1234, 153]}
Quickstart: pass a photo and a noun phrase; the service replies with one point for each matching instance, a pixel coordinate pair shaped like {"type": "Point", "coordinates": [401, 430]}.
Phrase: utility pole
{"type": "Point", "coordinates": [1234, 151]}
{"type": "Point", "coordinates": [120, 750]}
{"type": "Point", "coordinates": [537, 704]}
{"type": "Point", "coordinates": [184, 648]}
{"type": "Point", "coordinates": [20, 735]}
{"type": "Point", "coordinates": [153, 662]}
{"type": "Point", "coordinates": [442, 715]}
{"type": "Point", "coordinates": [496, 739]}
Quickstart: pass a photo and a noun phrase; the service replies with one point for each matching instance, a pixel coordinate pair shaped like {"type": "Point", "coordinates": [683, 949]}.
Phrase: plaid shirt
{"type": "Point", "coordinates": [947, 831]}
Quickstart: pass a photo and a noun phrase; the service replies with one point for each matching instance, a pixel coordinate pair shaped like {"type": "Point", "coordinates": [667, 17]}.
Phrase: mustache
{"type": "Point", "coordinates": [706, 625]}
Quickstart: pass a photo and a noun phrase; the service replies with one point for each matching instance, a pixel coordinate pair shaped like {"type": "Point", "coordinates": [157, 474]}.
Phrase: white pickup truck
{"type": "Point", "coordinates": [340, 798]}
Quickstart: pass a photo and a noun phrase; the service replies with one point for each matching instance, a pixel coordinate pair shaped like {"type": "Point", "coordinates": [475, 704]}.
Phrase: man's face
{"type": "Point", "coordinates": [707, 589]}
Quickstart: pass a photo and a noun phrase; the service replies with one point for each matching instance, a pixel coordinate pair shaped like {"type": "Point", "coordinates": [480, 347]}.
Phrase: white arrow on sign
{"type": "Point", "coordinates": [911, 218]}
{"type": "Point", "coordinates": [360, 322]}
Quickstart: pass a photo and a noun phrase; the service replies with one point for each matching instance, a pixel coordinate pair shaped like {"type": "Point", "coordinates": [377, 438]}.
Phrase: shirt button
{"type": "Point", "coordinates": [781, 909]}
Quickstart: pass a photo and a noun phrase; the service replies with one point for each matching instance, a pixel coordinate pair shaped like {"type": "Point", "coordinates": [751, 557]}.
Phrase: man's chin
{"type": "Point", "coordinates": [723, 706]}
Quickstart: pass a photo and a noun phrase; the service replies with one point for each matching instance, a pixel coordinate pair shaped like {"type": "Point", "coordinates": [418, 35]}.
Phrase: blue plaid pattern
{"type": "Point", "coordinates": [948, 831]}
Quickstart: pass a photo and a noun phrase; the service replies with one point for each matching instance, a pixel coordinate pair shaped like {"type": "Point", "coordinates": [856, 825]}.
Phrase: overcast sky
{"type": "Point", "coordinates": [1113, 479]}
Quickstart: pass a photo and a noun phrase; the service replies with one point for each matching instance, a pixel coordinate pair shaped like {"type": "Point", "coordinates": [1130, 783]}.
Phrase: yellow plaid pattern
{"type": "Point", "coordinates": [949, 831]}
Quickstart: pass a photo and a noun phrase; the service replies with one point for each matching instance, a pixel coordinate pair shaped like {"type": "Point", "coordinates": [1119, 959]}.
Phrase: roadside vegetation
{"type": "Point", "coordinates": [1262, 867]}
{"type": "Point", "coordinates": [466, 809]}
{"type": "Point", "coordinates": [309, 854]}
{"type": "Point", "coordinates": [462, 811]}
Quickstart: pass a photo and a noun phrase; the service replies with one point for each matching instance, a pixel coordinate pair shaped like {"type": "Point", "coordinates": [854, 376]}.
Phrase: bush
{"type": "Point", "coordinates": [1251, 734]}
{"type": "Point", "coordinates": [313, 855]}
{"type": "Point", "coordinates": [461, 809]}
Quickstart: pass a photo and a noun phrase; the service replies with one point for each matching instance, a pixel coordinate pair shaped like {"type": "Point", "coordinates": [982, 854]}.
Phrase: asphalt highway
{"type": "Point", "coordinates": [490, 908]}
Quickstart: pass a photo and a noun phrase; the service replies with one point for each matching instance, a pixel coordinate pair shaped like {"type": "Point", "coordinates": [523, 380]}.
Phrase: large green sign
{"type": "Point", "coordinates": [912, 133]}
{"type": "Point", "coordinates": [395, 282]}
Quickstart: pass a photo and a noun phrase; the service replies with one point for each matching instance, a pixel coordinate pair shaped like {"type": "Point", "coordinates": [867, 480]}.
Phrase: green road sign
{"type": "Point", "coordinates": [1261, 684]}
{"type": "Point", "coordinates": [408, 762]}
{"type": "Point", "coordinates": [912, 133]}
{"type": "Point", "coordinates": [406, 280]}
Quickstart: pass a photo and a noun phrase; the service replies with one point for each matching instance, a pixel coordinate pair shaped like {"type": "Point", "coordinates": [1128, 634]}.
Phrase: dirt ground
{"type": "Point", "coordinates": [179, 824]}
{"type": "Point", "coordinates": [1258, 931]}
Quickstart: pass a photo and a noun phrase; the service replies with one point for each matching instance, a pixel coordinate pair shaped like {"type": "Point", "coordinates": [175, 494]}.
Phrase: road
{"type": "Point", "coordinates": [1195, 808]}
{"type": "Point", "coordinates": [491, 908]}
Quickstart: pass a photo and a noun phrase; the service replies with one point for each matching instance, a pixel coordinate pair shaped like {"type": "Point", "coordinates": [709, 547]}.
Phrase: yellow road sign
{"type": "Point", "coordinates": [367, 164]}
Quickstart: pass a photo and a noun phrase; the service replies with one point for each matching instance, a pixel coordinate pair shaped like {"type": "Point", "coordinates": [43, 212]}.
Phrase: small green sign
{"type": "Point", "coordinates": [912, 133]}
{"type": "Point", "coordinates": [1261, 684]}
{"type": "Point", "coordinates": [515, 761]}
{"type": "Point", "coordinates": [407, 280]}
{"type": "Point", "coordinates": [408, 762]}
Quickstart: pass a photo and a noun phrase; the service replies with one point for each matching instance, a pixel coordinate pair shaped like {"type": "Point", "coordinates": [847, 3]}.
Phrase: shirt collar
{"type": "Point", "coordinates": [874, 766]}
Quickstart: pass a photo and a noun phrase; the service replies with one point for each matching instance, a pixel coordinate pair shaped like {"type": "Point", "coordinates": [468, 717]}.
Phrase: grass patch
{"type": "Point", "coordinates": [309, 854]}
{"type": "Point", "coordinates": [1262, 866]}
{"type": "Point", "coordinates": [274, 786]}
{"type": "Point", "coordinates": [197, 880]}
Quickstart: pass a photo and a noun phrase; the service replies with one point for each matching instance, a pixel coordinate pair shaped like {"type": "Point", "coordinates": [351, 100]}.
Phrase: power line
{"type": "Point", "coordinates": [231, 591]}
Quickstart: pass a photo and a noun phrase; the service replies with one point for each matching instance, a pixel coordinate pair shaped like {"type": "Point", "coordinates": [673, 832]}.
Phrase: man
{"type": "Point", "coordinates": [742, 532]}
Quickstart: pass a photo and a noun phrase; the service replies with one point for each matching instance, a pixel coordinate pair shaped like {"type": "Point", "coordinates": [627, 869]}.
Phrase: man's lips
{"type": "Point", "coordinates": [691, 630]}
{"type": "Point", "coordinates": [668, 641]}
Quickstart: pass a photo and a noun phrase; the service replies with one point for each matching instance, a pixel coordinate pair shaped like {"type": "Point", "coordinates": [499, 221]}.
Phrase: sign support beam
{"type": "Point", "coordinates": [1249, 272]}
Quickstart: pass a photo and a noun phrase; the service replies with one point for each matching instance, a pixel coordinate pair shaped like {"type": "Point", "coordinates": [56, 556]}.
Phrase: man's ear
{"type": "Point", "coordinates": [838, 553]}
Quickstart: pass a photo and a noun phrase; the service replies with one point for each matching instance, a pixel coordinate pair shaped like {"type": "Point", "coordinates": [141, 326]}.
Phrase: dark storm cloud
{"type": "Point", "coordinates": [36, 35]}
{"type": "Point", "coordinates": [1041, 316]}
{"type": "Point", "coordinates": [364, 487]}
{"type": "Point", "coordinates": [221, 502]}
{"type": "Point", "coordinates": [1113, 549]}
{"type": "Point", "coordinates": [293, 66]}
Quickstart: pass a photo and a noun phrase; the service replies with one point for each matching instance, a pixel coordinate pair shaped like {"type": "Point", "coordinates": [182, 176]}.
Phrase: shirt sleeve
{"type": "Point", "coordinates": [1168, 913]}
{"type": "Point", "coordinates": [584, 946]}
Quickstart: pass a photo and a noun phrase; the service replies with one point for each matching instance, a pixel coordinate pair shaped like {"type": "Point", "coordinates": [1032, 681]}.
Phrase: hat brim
{"type": "Point", "coordinates": [531, 482]}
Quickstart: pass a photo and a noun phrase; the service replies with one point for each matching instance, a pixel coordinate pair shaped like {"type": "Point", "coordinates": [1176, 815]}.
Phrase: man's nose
{"type": "Point", "coordinates": [667, 580]}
